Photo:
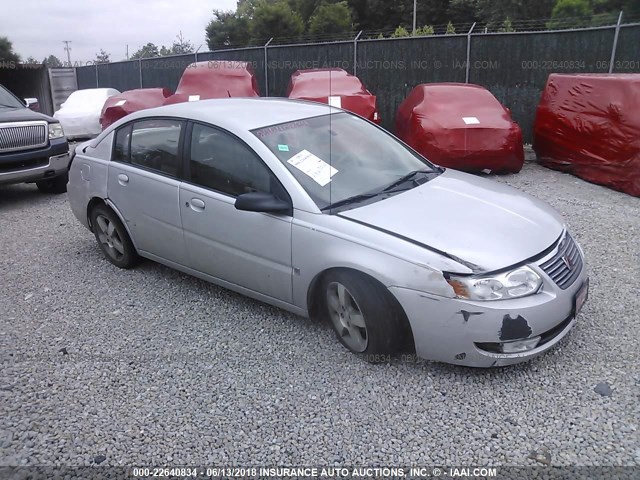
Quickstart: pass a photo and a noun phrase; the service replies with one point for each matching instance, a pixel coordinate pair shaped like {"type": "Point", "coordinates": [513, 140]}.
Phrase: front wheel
{"type": "Point", "coordinates": [364, 315]}
{"type": "Point", "coordinates": [54, 185]}
{"type": "Point", "coordinates": [113, 238]}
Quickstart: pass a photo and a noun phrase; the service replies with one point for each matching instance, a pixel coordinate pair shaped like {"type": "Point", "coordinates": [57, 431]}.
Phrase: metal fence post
{"type": "Point", "coordinates": [140, 70]}
{"type": "Point", "coordinates": [355, 53]}
{"type": "Point", "coordinates": [469, 52]}
{"type": "Point", "coordinates": [615, 43]}
{"type": "Point", "coordinates": [266, 68]}
{"type": "Point", "coordinates": [97, 83]}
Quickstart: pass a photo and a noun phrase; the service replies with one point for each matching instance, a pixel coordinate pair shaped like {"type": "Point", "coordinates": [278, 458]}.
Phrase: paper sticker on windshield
{"type": "Point", "coordinates": [319, 170]}
{"type": "Point", "coordinates": [194, 98]}
{"type": "Point", "coordinates": [283, 148]}
{"type": "Point", "coordinates": [471, 120]}
{"type": "Point", "coordinates": [335, 101]}
{"type": "Point", "coordinates": [120, 103]}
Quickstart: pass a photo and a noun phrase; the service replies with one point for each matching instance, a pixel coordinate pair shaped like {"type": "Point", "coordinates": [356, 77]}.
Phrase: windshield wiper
{"type": "Point", "coordinates": [390, 189]}
{"type": "Point", "coordinates": [350, 200]}
{"type": "Point", "coordinates": [409, 176]}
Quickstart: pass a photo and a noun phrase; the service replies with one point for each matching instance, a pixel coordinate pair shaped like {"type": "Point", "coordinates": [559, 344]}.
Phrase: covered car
{"type": "Point", "coordinates": [335, 87]}
{"type": "Point", "coordinates": [80, 114]}
{"type": "Point", "coordinates": [215, 79]}
{"type": "Point", "coordinates": [589, 125]}
{"type": "Point", "coordinates": [123, 104]}
{"type": "Point", "coordinates": [461, 126]}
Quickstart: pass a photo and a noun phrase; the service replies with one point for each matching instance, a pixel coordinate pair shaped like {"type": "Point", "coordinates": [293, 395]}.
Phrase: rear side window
{"type": "Point", "coordinates": [222, 162]}
{"type": "Point", "coordinates": [121, 145]}
{"type": "Point", "coordinates": [154, 145]}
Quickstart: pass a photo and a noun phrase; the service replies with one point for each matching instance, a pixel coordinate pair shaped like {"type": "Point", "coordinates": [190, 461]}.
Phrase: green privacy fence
{"type": "Point", "coordinates": [514, 66]}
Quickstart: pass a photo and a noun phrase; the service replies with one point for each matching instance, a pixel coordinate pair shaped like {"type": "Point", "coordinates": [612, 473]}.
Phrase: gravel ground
{"type": "Point", "coordinates": [151, 366]}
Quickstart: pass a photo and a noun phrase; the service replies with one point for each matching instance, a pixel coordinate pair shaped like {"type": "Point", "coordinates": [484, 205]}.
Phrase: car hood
{"type": "Point", "coordinates": [483, 224]}
{"type": "Point", "coordinates": [22, 115]}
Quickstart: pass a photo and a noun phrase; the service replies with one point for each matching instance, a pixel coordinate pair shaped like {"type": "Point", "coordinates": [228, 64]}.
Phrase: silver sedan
{"type": "Point", "coordinates": [317, 211]}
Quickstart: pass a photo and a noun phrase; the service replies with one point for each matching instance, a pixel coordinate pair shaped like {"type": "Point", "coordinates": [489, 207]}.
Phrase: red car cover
{"type": "Point", "coordinates": [131, 101]}
{"type": "Point", "coordinates": [336, 87]}
{"type": "Point", "coordinates": [589, 125]}
{"type": "Point", "coordinates": [461, 126]}
{"type": "Point", "coordinates": [215, 79]}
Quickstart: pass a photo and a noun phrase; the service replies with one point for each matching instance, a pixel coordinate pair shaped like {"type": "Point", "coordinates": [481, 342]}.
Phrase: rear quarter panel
{"type": "Point", "coordinates": [88, 176]}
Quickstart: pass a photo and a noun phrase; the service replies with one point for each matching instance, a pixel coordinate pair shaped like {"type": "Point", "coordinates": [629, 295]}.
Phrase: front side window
{"type": "Point", "coordinates": [154, 145]}
{"type": "Point", "coordinates": [341, 159]}
{"type": "Point", "coordinates": [219, 161]}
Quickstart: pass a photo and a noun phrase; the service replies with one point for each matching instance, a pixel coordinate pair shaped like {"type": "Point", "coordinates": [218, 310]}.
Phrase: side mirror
{"type": "Point", "coordinates": [261, 202]}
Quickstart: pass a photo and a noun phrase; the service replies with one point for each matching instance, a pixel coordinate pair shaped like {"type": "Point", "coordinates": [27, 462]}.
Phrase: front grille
{"type": "Point", "coordinates": [23, 135]}
{"type": "Point", "coordinates": [566, 264]}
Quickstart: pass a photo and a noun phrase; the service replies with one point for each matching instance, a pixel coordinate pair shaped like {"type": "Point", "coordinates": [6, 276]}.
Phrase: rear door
{"type": "Point", "coordinates": [249, 249]}
{"type": "Point", "coordinates": [144, 184]}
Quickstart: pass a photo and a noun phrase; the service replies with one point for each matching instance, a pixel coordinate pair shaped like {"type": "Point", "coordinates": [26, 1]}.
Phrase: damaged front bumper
{"type": "Point", "coordinates": [470, 333]}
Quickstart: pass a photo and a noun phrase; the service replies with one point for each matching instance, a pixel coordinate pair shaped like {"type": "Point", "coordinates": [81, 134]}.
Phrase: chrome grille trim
{"type": "Point", "coordinates": [565, 265]}
{"type": "Point", "coordinates": [16, 136]}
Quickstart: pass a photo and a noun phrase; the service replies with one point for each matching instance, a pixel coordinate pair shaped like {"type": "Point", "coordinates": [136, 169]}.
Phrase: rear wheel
{"type": "Point", "coordinates": [112, 237]}
{"type": "Point", "coordinates": [364, 315]}
{"type": "Point", "coordinates": [54, 185]}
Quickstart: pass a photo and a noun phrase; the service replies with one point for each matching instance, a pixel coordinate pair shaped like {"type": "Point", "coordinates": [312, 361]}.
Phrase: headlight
{"type": "Point", "coordinates": [55, 131]}
{"type": "Point", "coordinates": [514, 284]}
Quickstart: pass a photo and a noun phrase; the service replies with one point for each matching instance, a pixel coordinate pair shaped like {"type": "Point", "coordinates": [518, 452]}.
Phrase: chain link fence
{"type": "Point", "coordinates": [514, 66]}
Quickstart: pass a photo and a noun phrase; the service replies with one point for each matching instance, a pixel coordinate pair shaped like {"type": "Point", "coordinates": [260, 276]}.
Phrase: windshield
{"type": "Point", "coordinates": [7, 99]}
{"type": "Point", "coordinates": [340, 158]}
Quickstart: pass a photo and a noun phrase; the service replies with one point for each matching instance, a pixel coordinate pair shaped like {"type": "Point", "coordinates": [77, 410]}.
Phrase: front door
{"type": "Point", "coordinates": [249, 249]}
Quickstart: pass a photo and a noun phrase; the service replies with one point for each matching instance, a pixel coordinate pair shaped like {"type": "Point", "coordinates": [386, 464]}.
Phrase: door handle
{"type": "Point", "coordinates": [123, 179]}
{"type": "Point", "coordinates": [197, 204]}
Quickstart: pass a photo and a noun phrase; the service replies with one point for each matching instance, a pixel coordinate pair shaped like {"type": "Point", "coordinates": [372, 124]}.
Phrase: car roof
{"type": "Point", "coordinates": [240, 113]}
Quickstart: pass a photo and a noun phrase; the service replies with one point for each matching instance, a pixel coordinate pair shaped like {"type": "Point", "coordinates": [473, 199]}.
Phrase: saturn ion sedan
{"type": "Point", "coordinates": [322, 213]}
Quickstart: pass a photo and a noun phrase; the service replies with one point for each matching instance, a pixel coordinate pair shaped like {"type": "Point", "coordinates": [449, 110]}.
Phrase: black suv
{"type": "Point", "coordinates": [33, 147]}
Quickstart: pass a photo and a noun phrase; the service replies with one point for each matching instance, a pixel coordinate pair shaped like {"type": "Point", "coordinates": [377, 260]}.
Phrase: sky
{"type": "Point", "coordinates": [92, 25]}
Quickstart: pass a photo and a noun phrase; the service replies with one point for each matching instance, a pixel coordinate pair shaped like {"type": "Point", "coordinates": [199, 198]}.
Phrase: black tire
{"type": "Point", "coordinates": [386, 328]}
{"type": "Point", "coordinates": [54, 185]}
{"type": "Point", "coordinates": [116, 246]}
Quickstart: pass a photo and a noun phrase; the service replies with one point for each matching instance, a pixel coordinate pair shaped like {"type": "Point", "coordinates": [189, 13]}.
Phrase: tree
{"type": "Point", "coordinates": [331, 18]}
{"type": "Point", "coordinates": [507, 26]}
{"type": "Point", "coordinates": [52, 61]}
{"type": "Point", "coordinates": [180, 45]}
{"type": "Point", "coordinates": [400, 32]}
{"type": "Point", "coordinates": [572, 13]}
{"type": "Point", "coordinates": [227, 28]}
{"type": "Point", "coordinates": [31, 61]}
{"type": "Point", "coordinates": [493, 12]}
{"type": "Point", "coordinates": [451, 30]}
{"type": "Point", "coordinates": [6, 51]}
{"type": "Point", "coordinates": [275, 20]}
{"type": "Point", "coordinates": [307, 8]}
{"type": "Point", "coordinates": [149, 50]}
{"type": "Point", "coordinates": [102, 57]}
{"type": "Point", "coordinates": [424, 31]}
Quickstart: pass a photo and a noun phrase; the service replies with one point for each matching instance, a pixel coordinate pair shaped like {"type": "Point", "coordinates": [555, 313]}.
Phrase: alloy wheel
{"type": "Point", "coordinates": [109, 237]}
{"type": "Point", "coordinates": [347, 317]}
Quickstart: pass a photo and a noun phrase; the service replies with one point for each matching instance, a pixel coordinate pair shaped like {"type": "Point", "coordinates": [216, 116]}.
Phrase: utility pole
{"type": "Point", "coordinates": [127, 51]}
{"type": "Point", "coordinates": [68, 49]}
{"type": "Point", "coordinates": [415, 11]}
